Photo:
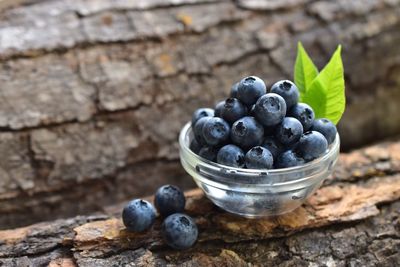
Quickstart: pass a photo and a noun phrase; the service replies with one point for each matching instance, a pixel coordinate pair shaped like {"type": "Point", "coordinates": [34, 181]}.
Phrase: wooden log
{"type": "Point", "coordinates": [353, 220]}
{"type": "Point", "coordinates": [94, 93]}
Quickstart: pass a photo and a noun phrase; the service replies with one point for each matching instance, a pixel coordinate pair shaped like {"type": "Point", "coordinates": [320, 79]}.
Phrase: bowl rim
{"type": "Point", "coordinates": [332, 149]}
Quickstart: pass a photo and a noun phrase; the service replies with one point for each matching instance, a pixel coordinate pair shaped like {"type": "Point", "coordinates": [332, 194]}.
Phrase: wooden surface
{"type": "Point", "coordinates": [353, 220]}
{"type": "Point", "coordinates": [94, 93]}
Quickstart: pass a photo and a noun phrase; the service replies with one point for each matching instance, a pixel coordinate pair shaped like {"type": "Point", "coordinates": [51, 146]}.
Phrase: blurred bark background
{"type": "Point", "coordinates": [94, 93]}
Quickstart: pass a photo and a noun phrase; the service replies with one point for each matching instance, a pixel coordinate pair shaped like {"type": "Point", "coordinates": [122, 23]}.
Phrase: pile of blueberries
{"type": "Point", "coordinates": [179, 230]}
{"type": "Point", "coordinates": [258, 130]}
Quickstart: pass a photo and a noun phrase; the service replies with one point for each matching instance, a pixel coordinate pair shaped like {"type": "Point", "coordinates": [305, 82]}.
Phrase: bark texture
{"type": "Point", "coordinates": [353, 220]}
{"type": "Point", "coordinates": [94, 93]}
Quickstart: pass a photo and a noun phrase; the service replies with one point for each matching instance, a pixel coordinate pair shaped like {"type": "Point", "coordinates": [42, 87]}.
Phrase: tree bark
{"type": "Point", "coordinates": [94, 93]}
{"type": "Point", "coordinates": [353, 220]}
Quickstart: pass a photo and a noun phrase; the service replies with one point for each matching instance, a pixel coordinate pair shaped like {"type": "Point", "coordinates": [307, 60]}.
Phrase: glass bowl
{"type": "Point", "coordinates": [255, 193]}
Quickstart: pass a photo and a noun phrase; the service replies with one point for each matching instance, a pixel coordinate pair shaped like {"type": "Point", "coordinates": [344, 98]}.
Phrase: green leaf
{"type": "Point", "coordinates": [326, 93]}
{"type": "Point", "coordinates": [304, 71]}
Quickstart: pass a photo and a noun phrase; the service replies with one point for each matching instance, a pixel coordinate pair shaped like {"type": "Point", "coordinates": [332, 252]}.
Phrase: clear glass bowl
{"type": "Point", "coordinates": [256, 193]}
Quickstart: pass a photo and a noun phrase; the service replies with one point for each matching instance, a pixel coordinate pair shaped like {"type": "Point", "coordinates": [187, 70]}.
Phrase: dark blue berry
{"type": "Point", "coordinates": [234, 90]}
{"type": "Point", "coordinates": [216, 131]}
{"type": "Point", "coordinates": [273, 145]}
{"type": "Point", "coordinates": [304, 113]}
{"type": "Point", "coordinates": [233, 110]}
{"type": "Point", "coordinates": [138, 215]}
{"type": "Point", "coordinates": [231, 155]}
{"type": "Point", "coordinates": [198, 130]}
{"type": "Point", "coordinates": [209, 153]}
{"type": "Point", "coordinates": [218, 109]}
{"type": "Point", "coordinates": [179, 231]}
{"type": "Point", "coordinates": [288, 90]}
{"type": "Point", "coordinates": [289, 131]}
{"type": "Point", "coordinates": [195, 146]}
{"type": "Point", "coordinates": [288, 159]}
{"type": "Point", "coordinates": [326, 128]}
{"type": "Point", "coordinates": [169, 199]}
{"type": "Point", "coordinates": [247, 133]}
{"type": "Point", "coordinates": [201, 113]}
{"type": "Point", "coordinates": [250, 89]}
{"type": "Point", "coordinates": [270, 109]}
{"type": "Point", "coordinates": [312, 144]}
{"type": "Point", "coordinates": [259, 158]}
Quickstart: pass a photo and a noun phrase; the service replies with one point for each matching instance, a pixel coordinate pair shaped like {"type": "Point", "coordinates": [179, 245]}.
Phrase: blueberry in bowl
{"type": "Point", "coordinates": [262, 163]}
{"type": "Point", "coordinates": [228, 187]}
{"type": "Point", "coordinates": [288, 90]}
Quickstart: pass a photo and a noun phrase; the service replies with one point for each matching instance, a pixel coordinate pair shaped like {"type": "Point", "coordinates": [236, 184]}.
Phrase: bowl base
{"type": "Point", "coordinates": [253, 216]}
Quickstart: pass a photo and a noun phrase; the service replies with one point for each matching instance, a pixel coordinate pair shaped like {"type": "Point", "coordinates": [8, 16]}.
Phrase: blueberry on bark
{"type": "Point", "coordinates": [138, 215]}
{"type": "Point", "coordinates": [169, 199]}
{"type": "Point", "coordinates": [179, 231]}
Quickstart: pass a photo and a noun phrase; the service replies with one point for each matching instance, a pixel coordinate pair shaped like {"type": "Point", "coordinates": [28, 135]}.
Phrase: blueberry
{"type": "Point", "coordinates": [270, 109]}
{"type": "Point", "coordinates": [288, 159]}
{"type": "Point", "coordinates": [179, 231]}
{"type": "Point", "coordinates": [138, 215]}
{"type": "Point", "coordinates": [247, 133]}
{"type": "Point", "coordinates": [195, 146]}
{"type": "Point", "coordinates": [200, 113]}
{"type": "Point", "coordinates": [231, 155]}
{"type": "Point", "coordinates": [326, 128]}
{"type": "Point", "coordinates": [233, 110]}
{"type": "Point", "coordinates": [288, 90]}
{"type": "Point", "coordinates": [216, 131]}
{"type": "Point", "coordinates": [218, 109]}
{"type": "Point", "coordinates": [304, 113]}
{"type": "Point", "coordinates": [198, 130]}
{"type": "Point", "coordinates": [209, 153]}
{"type": "Point", "coordinates": [312, 144]}
{"type": "Point", "coordinates": [259, 158]}
{"type": "Point", "coordinates": [289, 131]}
{"type": "Point", "coordinates": [169, 199]}
{"type": "Point", "coordinates": [250, 89]}
{"type": "Point", "coordinates": [273, 145]}
{"type": "Point", "coordinates": [234, 90]}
